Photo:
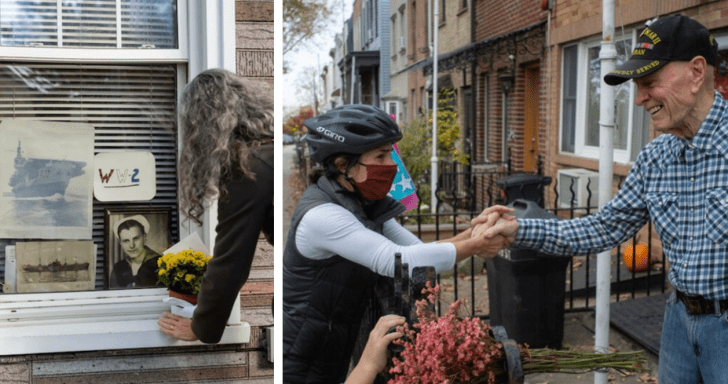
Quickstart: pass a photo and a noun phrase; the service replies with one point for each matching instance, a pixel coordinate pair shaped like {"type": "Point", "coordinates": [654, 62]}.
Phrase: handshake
{"type": "Point", "coordinates": [492, 230]}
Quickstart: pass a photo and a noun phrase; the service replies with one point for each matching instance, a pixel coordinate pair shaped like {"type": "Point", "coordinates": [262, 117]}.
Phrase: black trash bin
{"type": "Point", "coordinates": [527, 289]}
{"type": "Point", "coordinates": [524, 186]}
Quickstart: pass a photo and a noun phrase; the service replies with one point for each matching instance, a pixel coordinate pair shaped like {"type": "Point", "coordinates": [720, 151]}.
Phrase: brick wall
{"type": "Point", "coordinates": [454, 31]}
{"type": "Point", "coordinates": [494, 20]}
{"type": "Point", "coordinates": [417, 49]}
{"type": "Point", "coordinates": [254, 39]}
{"type": "Point", "coordinates": [254, 50]}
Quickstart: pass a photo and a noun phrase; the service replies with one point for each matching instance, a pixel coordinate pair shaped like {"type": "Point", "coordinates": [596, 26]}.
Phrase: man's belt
{"type": "Point", "coordinates": [697, 305]}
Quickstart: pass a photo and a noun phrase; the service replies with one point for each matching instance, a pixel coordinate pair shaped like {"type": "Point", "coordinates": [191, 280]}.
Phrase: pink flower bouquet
{"type": "Point", "coordinates": [453, 349]}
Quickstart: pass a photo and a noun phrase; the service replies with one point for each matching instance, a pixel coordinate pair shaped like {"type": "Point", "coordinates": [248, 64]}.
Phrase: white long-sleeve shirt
{"type": "Point", "coordinates": [329, 229]}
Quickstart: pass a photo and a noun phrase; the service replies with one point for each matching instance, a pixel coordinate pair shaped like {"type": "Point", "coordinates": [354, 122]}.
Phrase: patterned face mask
{"type": "Point", "coordinates": [379, 181]}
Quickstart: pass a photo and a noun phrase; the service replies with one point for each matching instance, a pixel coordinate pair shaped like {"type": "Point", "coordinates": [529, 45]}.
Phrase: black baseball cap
{"type": "Point", "coordinates": [675, 38]}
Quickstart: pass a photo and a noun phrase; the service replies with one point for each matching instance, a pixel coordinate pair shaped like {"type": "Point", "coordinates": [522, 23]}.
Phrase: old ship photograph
{"type": "Point", "coordinates": [46, 179]}
{"type": "Point", "coordinates": [45, 266]}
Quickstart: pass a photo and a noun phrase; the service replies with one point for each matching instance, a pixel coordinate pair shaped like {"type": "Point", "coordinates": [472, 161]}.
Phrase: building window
{"type": "Point", "coordinates": [485, 81]}
{"type": "Point", "coordinates": [148, 24]}
{"type": "Point", "coordinates": [393, 109]}
{"type": "Point", "coordinates": [394, 40]}
{"type": "Point", "coordinates": [402, 31]}
{"type": "Point", "coordinates": [413, 26]}
{"type": "Point", "coordinates": [129, 97]}
{"type": "Point", "coordinates": [581, 79]}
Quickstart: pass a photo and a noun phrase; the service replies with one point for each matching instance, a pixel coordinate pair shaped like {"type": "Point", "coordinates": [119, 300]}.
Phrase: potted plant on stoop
{"type": "Point", "coordinates": [182, 273]}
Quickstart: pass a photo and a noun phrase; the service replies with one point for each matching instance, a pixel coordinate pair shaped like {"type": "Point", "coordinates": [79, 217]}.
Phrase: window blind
{"type": "Point", "coordinates": [132, 108]}
{"type": "Point", "coordinates": [89, 23]}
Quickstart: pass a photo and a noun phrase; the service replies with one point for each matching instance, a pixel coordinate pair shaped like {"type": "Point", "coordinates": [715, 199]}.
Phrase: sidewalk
{"type": "Point", "coordinates": [578, 332]}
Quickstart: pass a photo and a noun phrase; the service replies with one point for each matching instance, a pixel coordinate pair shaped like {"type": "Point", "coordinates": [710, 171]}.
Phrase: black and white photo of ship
{"type": "Point", "coordinates": [42, 177]}
{"type": "Point", "coordinates": [46, 182]}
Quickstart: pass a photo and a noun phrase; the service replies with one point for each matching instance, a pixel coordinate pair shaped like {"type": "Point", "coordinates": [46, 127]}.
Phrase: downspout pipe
{"type": "Point", "coordinates": [433, 159]}
{"type": "Point", "coordinates": [607, 56]}
{"type": "Point", "coordinates": [473, 92]}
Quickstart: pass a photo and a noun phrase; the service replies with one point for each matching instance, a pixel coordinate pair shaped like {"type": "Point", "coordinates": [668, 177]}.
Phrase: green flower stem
{"type": "Point", "coordinates": [549, 360]}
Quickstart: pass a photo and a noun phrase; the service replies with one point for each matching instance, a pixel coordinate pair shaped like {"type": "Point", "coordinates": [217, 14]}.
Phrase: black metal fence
{"type": "Point", "coordinates": [464, 191]}
{"type": "Point", "coordinates": [463, 195]}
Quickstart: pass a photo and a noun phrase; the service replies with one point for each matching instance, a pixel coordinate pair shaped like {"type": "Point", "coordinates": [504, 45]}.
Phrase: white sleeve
{"type": "Point", "coordinates": [329, 229]}
{"type": "Point", "coordinates": [399, 234]}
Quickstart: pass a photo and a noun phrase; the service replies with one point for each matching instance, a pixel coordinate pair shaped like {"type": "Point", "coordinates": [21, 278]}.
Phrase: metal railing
{"type": "Point", "coordinates": [466, 195]}
{"type": "Point", "coordinates": [463, 192]}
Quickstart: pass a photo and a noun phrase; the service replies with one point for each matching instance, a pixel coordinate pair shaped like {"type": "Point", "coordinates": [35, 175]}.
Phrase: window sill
{"type": "Point", "coordinates": [97, 320]}
{"type": "Point", "coordinates": [462, 10]}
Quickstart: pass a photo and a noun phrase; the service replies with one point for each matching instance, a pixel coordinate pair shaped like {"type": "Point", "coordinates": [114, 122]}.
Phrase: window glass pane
{"type": "Point", "coordinates": [640, 131]}
{"type": "Point", "coordinates": [89, 23]}
{"type": "Point", "coordinates": [568, 113]}
{"type": "Point", "coordinates": [622, 99]}
{"type": "Point", "coordinates": [31, 23]}
{"type": "Point", "coordinates": [132, 108]}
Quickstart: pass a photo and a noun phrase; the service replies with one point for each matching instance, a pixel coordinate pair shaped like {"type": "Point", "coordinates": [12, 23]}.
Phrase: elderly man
{"type": "Point", "coordinates": [680, 182]}
{"type": "Point", "coordinates": [139, 265]}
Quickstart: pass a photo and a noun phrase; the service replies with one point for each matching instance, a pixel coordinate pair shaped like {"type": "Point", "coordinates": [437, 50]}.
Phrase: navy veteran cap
{"type": "Point", "coordinates": [676, 38]}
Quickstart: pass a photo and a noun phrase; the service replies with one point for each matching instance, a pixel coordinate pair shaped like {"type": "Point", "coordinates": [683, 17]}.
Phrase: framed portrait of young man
{"type": "Point", "coordinates": [135, 238]}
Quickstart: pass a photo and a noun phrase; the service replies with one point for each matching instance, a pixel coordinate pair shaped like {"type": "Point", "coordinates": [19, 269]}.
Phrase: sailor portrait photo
{"type": "Point", "coordinates": [135, 239]}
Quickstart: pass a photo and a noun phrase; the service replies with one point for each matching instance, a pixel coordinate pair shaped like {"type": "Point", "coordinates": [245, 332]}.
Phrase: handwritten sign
{"type": "Point", "coordinates": [125, 176]}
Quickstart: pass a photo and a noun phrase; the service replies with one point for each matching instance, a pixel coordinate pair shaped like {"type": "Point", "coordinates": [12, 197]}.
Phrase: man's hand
{"type": "Point", "coordinates": [483, 217]}
{"type": "Point", "coordinates": [490, 246]}
{"type": "Point", "coordinates": [506, 228]}
{"type": "Point", "coordinates": [176, 326]}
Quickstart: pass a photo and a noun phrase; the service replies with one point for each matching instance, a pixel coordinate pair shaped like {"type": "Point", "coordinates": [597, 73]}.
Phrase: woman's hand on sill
{"type": "Point", "coordinates": [176, 326]}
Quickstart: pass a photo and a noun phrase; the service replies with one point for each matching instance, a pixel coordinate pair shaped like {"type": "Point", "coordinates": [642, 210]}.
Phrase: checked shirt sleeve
{"type": "Point", "coordinates": [616, 222]}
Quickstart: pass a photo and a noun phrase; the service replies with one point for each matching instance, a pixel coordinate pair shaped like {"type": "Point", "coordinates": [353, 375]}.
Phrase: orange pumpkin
{"type": "Point", "coordinates": [642, 258]}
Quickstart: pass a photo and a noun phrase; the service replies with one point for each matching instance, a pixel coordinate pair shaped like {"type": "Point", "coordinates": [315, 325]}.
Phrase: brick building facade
{"type": "Point", "coordinates": [231, 363]}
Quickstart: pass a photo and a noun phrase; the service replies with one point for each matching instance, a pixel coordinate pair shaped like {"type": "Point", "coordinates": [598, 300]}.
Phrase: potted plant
{"type": "Point", "coordinates": [182, 273]}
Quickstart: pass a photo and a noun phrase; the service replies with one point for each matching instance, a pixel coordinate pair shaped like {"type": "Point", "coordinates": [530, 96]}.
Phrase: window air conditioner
{"type": "Point", "coordinates": [581, 182]}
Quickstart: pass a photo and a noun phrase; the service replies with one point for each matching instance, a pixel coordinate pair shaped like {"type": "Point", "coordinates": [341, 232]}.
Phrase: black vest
{"type": "Point", "coordinates": [324, 300]}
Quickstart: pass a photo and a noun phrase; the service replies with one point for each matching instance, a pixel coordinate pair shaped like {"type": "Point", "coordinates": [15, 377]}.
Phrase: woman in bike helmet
{"type": "Point", "coordinates": [343, 235]}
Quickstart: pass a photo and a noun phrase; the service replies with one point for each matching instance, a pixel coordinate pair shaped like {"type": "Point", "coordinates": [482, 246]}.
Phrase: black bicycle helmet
{"type": "Point", "coordinates": [349, 129]}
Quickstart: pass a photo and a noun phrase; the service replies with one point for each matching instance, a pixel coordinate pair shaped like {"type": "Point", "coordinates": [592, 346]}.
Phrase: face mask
{"type": "Point", "coordinates": [379, 181]}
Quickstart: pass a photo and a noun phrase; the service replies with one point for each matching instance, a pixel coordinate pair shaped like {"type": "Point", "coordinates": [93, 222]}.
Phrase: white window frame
{"type": "Point", "coordinates": [122, 319]}
{"type": "Point", "coordinates": [396, 108]}
{"type": "Point", "coordinates": [580, 148]}
{"type": "Point", "coordinates": [113, 55]}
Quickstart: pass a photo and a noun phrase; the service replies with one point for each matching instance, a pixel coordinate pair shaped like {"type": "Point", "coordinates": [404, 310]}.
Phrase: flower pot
{"type": "Point", "coordinates": [192, 299]}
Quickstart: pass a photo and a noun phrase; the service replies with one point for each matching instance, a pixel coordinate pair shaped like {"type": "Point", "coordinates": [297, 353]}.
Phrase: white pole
{"type": "Point", "coordinates": [353, 79]}
{"type": "Point", "coordinates": [433, 160]}
{"type": "Point", "coordinates": [607, 55]}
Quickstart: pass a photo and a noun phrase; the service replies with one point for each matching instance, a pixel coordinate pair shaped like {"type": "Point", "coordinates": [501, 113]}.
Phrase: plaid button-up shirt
{"type": "Point", "coordinates": [682, 186]}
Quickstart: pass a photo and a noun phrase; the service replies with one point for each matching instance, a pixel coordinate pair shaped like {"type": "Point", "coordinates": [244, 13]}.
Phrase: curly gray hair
{"type": "Point", "coordinates": [222, 116]}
